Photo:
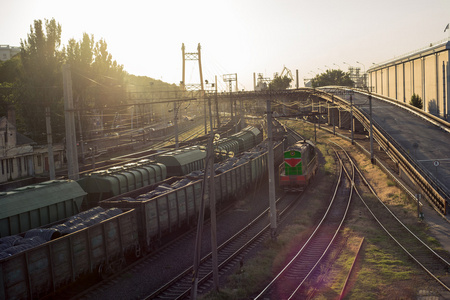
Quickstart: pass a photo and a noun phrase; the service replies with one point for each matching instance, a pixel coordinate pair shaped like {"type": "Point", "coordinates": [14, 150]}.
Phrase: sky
{"type": "Point", "coordinates": [238, 36]}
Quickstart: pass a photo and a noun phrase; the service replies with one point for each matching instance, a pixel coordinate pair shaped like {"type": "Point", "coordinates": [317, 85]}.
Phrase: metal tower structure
{"type": "Point", "coordinates": [192, 56]}
{"type": "Point", "coordinates": [230, 78]}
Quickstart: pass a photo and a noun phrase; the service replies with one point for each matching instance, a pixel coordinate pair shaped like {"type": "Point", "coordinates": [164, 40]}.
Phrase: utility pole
{"type": "Point", "coordinates": [212, 207]}
{"type": "Point", "coordinates": [332, 114]}
{"type": "Point", "coordinates": [81, 132]}
{"type": "Point", "coordinates": [51, 159]}
{"type": "Point", "coordinates": [198, 240]}
{"type": "Point", "coordinates": [351, 118]}
{"type": "Point", "coordinates": [371, 130]}
{"type": "Point", "coordinates": [217, 104]}
{"type": "Point", "coordinates": [270, 163]}
{"type": "Point", "coordinates": [175, 122]}
{"type": "Point", "coordinates": [71, 147]}
{"type": "Point", "coordinates": [443, 90]}
{"type": "Point", "coordinates": [183, 80]}
{"type": "Point", "coordinates": [206, 193]}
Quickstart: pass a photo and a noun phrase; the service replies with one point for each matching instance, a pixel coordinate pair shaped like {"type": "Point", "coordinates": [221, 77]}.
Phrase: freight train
{"type": "Point", "coordinates": [104, 184]}
{"type": "Point", "coordinates": [120, 229]}
{"type": "Point", "coordinates": [299, 166]}
{"type": "Point", "coordinates": [39, 204]}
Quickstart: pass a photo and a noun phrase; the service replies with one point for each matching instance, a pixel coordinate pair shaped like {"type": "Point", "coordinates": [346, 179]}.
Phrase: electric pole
{"type": "Point", "coordinates": [351, 118]}
{"type": "Point", "coordinates": [51, 159]}
{"type": "Point", "coordinates": [371, 130]}
{"type": "Point", "coordinates": [175, 122]}
{"type": "Point", "coordinates": [270, 166]}
{"type": "Point", "coordinates": [71, 146]}
{"type": "Point", "coordinates": [212, 207]}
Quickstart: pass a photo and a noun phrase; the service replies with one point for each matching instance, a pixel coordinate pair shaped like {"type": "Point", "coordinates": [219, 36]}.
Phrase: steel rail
{"type": "Point", "coordinates": [223, 247]}
{"type": "Point", "coordinates": [445, 262]}
{"type": "Point", "coordinates": [308, 243]}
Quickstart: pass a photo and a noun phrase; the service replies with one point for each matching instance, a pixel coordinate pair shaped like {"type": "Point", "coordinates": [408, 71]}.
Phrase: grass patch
{"type": "Point", "coordinates": [390, 183]}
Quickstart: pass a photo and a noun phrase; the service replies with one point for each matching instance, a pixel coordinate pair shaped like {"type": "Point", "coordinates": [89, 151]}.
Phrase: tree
{"type": "Point", "coordinates": [416, 101]}
{"type": "Point", "coordinates": [332, 77]}
{"type": "Point", "coordinates": [80, 55]}
{"type": "Point", "coordinates": [97, 80]}
{"type": "Point", "coordinates": [10, 70]}
{"type": "Point", "coordinates": [42, 59]}
{"type": "Point", "coordinates": [280, 83]}
{"type": "Point", "coordinates": [110, 76]}
{"type": "Point", "coordinates": [9, 82]}
{"type": "Point", "coordinates": [33, 79]}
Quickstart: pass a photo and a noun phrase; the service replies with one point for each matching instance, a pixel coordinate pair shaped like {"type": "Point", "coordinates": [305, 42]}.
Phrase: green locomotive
{"type": "Point", "coordinates": [299, 166]}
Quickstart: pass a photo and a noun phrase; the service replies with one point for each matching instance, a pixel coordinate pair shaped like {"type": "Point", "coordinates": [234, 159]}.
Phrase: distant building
{"type": "Point", "coordinates": [6, 52]}
{"type": "Point", "coordinates": [423, 72]}
{"type": "Point", "coordinates": [20, 157]}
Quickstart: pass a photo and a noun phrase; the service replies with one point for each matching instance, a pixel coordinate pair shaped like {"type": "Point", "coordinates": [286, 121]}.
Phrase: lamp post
{"type": "Point", "coordinates": [371, 129]}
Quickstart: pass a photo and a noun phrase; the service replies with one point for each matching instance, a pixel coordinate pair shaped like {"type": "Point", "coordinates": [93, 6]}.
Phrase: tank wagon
{"type": "Point", "coordinates": [225, 148]}
{"type": "Point", "coordinates": [137, 221]}
{"type": "Point", "coordinates": [183, 161]}
{"type": "Point", "coordinates": [39, 204]}
{"type": "Point", "coordinates": [299, 166]}
{"type": "Point", "coordinates": [247, 138]}
{"type": "Point", "coordinates": [114, 181]}
{"type": "Point", "coordinates": [238, 142]}
{"type": "Point", "coordinates": [104, 184]}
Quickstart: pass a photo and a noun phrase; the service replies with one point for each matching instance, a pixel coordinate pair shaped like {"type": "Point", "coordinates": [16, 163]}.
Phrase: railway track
{"type": "Point", "coordinates": [230, 253]}
{"type": "Point", "coordinates": [292, 281]}
{"type": "Point", "coordinates": [435, 264]}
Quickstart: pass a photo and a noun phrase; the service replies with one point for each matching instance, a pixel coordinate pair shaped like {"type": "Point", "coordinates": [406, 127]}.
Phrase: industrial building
{"type": "Point", "coordinates": [422, 72]}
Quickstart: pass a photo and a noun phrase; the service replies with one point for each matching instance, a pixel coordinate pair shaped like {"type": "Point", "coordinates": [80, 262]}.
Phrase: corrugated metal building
{"type": "Point", "coordinates": [423, 72]}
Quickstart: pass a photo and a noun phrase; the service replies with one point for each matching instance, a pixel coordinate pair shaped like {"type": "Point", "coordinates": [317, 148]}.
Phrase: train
{"type": "Point", "coordinates": [104, 184]}
{"type": "Point", "coordinates": [121, 228]}
{"type": "Point", "coordinates": [299, 165]}
{"type": "Point", "coordinates": [57, 199]}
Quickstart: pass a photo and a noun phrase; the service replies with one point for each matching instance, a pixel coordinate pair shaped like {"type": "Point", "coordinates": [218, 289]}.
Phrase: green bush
{"type": "Point", "coordinates": [416, 101]}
